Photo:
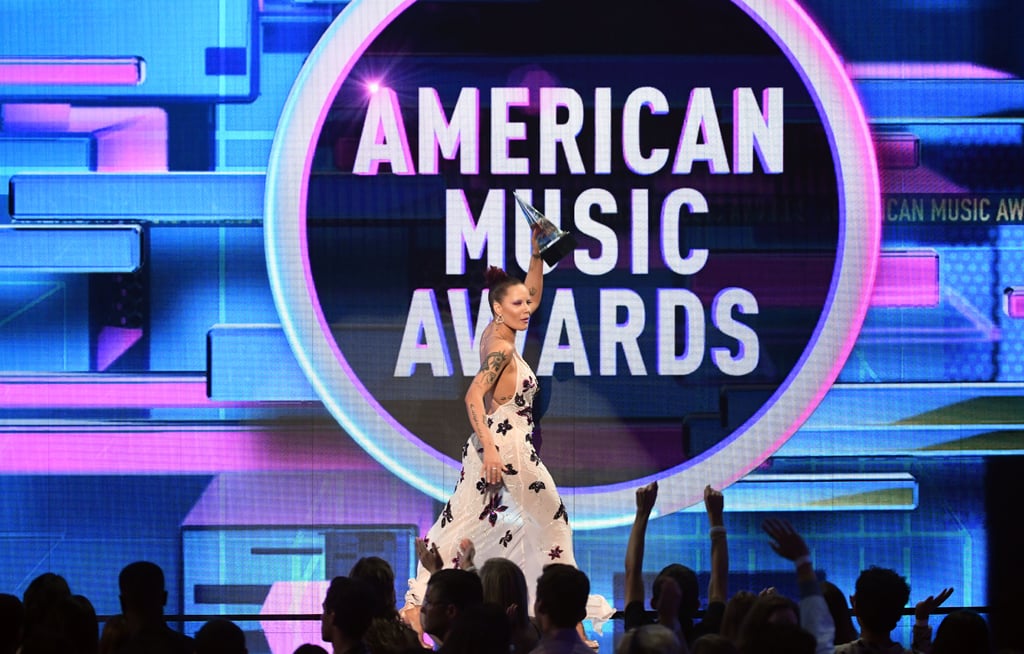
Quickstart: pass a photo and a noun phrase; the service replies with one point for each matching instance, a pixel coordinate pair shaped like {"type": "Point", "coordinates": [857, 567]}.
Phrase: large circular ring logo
{"type": "Point", "coordinates": [716, 205]}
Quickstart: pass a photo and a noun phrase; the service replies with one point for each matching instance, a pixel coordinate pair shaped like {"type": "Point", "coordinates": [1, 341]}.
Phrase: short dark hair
{"type": "Point", "coordinates": [457, 587]}
{"type": "Point", "coordinates": [352, 602]}
{"type": "Point", "coordinates": [220, 636]}
{"type": "Point", "coordinates": [962, 632]}
{"type": "Point", "coordinates": [880, 595]}
{"type": "Point", "coordinates": [12, 619]}
{"type": "Point", "coordinates": [563, 590]}
{"type": "Point", "coordinates": [142, 584]}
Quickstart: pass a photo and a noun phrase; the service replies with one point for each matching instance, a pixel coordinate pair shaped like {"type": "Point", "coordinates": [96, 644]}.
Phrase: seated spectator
{"type": "Point", "coordinates": [348, 611]}
{"type": "Point", "coordinates": [736, 610]}
{"type": "Point", "coordinates": [388, 633]}
{"type": "Point", "coordinates": [674, 593]}
{"type": "Point", "coordinates": [842, 618]}
{"type": "Point", "coordinates": [504, 584]}
{"type": "Point", "coordinates": [651, 639]}
{"type": "Point", "coordinates": [220, 636]}
{"type": "Point", "coordinates": [560, 605]}
{"type": "Point", "coordinates": [714, 644]}
{"type": "Point", "coordinates": [479, 629]}
{"type": "Point", "coordinates": [12, 618]}
{"type": "Point", "coordinates": [41, 602]}
{"type": "Point", "coordinates": [770, 607]}
{"type": "Point", "coordinates": [962, 632]}
{"type": "Point", "coordinates": [779, 638]}
{"type": "Point", "coordinates": [878, 600]}
{"type": "Point", "coordinates": [143, 597]}
{"type": "Point", "coordinates": [79, 624]}
{"type": "Point", "coordinates": [449, 592]}
{"type": "Point", "coordinates": [113, 635]}
{"type": "Point", "coordinates": [309, 648]}
{"type": "Point", "coordinates": [54, 618]}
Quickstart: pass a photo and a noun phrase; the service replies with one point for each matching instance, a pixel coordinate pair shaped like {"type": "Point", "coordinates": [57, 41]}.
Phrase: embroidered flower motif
{"type": "Point", "coordinates": [520, 400]}
{"type": "Point", "coordinates": [509, 470]}
{"type": "Point", "coordinates": [446, 515]}
{"type": "Point", "coordinates": [465, 449]}
{"type": "Point", "coordinates": [537, 486]}
{"type": "Point", "coordinates": [561, 513]}
{"type": "Point", "coordinates": [534, 457]}
{"type": "Point", "coordinates": [490, 421]}
{"type": "Point", "coordinates": [493, 508]}
{"type": "Point", "coordinates": [506, 539]}
{"type": "Point", "coordinates": [555, 553]}
{"type": "Point", "coordinates": [504, 427]}
{"type": "Point", "coordinates": [481, 485]}
{"type": "Point", "coordinates": [529, 383]}
{"type": "Point", "coordinates": [527, 413]}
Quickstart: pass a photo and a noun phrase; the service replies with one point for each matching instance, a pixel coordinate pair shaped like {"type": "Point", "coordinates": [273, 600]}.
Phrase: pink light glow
{"type": "Point", "coordinates": [128, 139]}
{"type": "Point", "coordinates": [923, 70]}
{"type": "Point", "coordinates": [112, 342]}
{"type": "Point", "coordinates": [1013, 302]}
{"type": "Point", "coordinates": [373, 86]}
{"type": "Point", "coordinates": [293, 598]}
{"type": "Point", "coordinates": [106, 392]}
{"type": "Point", "coordinates": [119, 71]}
{"type": "Point", "coordinates": [907, 278]}
{"type": "Point", "coordinates": [175, 450]}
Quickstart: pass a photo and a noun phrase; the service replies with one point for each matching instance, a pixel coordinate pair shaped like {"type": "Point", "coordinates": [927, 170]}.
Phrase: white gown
{"type": "Point", "coordinates": [523, 519]}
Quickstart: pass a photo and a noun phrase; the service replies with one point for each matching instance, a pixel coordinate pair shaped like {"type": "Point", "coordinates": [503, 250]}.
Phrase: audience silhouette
{"type": "Point", "coordinates": [348, 610]}
{"type": "Point", "coordinates": [486, 610]}
{"type": "Point", "coordinates": [560, 605]}
{"type": "Point", "coordinates": [143, 597]}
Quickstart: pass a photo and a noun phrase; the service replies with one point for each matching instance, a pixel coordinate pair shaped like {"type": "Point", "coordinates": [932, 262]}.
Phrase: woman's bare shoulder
{"type": "Point", "coordinates": [495, 352]}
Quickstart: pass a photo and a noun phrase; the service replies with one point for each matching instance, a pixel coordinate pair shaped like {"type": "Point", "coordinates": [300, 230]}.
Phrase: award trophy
{"type": "Point", "coordinates": [554, 243]}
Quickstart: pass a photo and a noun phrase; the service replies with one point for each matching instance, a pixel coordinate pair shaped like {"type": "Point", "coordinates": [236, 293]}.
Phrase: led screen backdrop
{"type": "Point", "coordinates": [242, 264]}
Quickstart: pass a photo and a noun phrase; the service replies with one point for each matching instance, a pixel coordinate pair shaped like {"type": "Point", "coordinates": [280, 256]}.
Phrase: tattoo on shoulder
{"type": "Point", "coordinates": [532, 290]}
{"type": "Point", "coordinates": [492, 365]}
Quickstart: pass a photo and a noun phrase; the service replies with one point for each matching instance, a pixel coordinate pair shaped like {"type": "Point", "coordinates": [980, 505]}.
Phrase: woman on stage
{"type": "Point", "coordinates": [505, 501]}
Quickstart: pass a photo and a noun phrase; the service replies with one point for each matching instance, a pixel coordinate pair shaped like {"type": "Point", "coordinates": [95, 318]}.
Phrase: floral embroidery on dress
{"type": "Point", "coordinates": [555, 553]}
{"type": "Point", "coordinates": [509, 470]}
{"type": "Point", "coordinates": [527, 413]}
{"type": "Point", "coordinates": [537, 486]}
{"type": "Point", "coordinates": [493, 508]}
{"type": "Point", "coordinates": [504, 428]}
{"type": "Point", "coordinates": [446, 514]}
{"type": "Point", "coordinates": [520, 400]}
{"type": "Point", "coordinates": [561, 513]}
{"type": "Point", "coordinates": [506, 539]}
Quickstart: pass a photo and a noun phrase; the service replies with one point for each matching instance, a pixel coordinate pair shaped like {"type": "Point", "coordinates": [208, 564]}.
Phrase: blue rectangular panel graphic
{"type": "Point", "coordinates": [217, 198]}
{"type": "Point", "coordinates": [241, 356]}
{"type": "Point", "coordinates": [45, 152]}
{"type": "Point", "coordinates": [169, 40]}
{"type": "Point", "coordinates": [71, 249]}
